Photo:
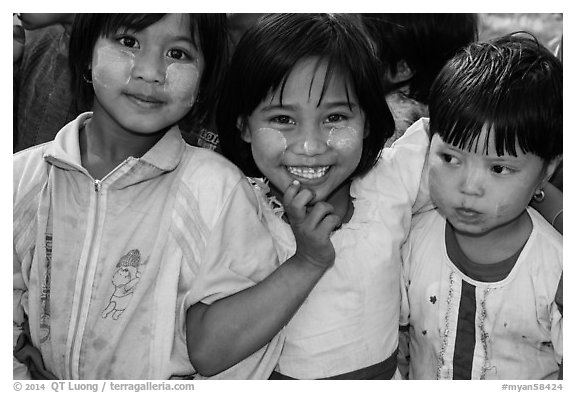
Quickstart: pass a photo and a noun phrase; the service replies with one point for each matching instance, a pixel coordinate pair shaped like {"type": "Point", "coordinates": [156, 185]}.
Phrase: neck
{"type": "Point", "coordinates": [342, 202]}
{"type": "Point", "coordinates": [498, 244]}
{"type": "Point", "coordinates": [104, 145]}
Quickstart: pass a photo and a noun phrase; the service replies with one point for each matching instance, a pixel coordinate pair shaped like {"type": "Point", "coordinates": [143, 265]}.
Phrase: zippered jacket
{"type": "Point", "coordinates": [105, 270]}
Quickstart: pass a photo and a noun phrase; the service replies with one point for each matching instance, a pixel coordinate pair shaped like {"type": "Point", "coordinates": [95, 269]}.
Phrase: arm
{"type": "Point", "coordinates": [223, 333]}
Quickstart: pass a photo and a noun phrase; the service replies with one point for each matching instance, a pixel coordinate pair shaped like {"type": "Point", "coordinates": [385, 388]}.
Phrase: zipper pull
{"type": "Point", "coordinates": [97, 185]}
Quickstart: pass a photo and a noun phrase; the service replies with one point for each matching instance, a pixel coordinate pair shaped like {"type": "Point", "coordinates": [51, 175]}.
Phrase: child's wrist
{"type": "Point", "coordinates": [312, 263]}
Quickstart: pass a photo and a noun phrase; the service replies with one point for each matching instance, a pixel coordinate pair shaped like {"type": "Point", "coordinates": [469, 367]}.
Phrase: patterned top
{"type": "Point", "coordinates": [462, 328]}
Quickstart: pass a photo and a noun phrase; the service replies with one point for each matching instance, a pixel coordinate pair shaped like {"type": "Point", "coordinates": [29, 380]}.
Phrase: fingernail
{"type": "Point", "coordinates": [296, 182]}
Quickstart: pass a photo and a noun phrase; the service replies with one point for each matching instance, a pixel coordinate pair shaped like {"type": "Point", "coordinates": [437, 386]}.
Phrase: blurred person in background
{"type": "Point", "coordinates": [43, 101]}
{"type": "Point", "coordinates": [412, 49]}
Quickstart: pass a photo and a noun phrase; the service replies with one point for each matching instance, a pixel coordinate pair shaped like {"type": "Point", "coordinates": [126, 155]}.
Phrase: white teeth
{"type": "Point", "coordinates": [308, 172]}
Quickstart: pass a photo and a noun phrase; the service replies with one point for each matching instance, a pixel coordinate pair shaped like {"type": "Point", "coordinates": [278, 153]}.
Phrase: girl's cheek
{"type": "Point", "coordinates": [111, 67]}
{"type": "Point", "coordinates": [268, 142]}
{"type": "Point", "coordinates": [344, 139]}
{"type": "Point", "coordinates": [182, 82]}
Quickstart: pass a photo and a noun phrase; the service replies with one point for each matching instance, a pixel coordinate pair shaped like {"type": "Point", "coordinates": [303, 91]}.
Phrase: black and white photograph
{"type": "Point", "coordinates": [288, 196]}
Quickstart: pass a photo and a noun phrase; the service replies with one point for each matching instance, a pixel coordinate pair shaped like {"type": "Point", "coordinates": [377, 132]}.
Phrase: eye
{"type": "Point", "coordinates": [449, 158]}
{"type": "Point", "coordinates": [501, 170]}
{"type": "Point", "coordinates": [178, 54]}
{"type": "Point", "coordinates": [336, 117]}
{"type": "Point", "coordinates": [128, 41]}
{"type": "Point", "coordinates": [283, 119]}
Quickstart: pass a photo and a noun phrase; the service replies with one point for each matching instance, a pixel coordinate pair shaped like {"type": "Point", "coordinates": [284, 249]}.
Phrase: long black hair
{"type": "Point", "coordinates": [269, 51]}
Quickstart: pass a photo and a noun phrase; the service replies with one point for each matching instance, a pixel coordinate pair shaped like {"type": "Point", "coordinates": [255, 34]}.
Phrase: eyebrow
{"type": "Point", "coordinates": [336, 104]}
{"type": "Point", "coordinates": [182, 38]}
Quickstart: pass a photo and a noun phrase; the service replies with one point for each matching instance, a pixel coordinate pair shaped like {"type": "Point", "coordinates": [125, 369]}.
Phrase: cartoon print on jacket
{"type": "Point", "coordinates": [125, 278]}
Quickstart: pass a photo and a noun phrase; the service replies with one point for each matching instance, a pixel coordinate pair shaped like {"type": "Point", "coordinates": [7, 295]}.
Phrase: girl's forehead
{"type": "Point", "coordinates": [312, 80]}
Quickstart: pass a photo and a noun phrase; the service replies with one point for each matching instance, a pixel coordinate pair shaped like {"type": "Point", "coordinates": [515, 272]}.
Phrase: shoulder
{"type": "Point", "coordinates": [543, 255]}
{"type": "Point", "coordinates": [545, 234]}
{"type": "Point", "coordinates": [405, 160]}
{"type": "Point", "coordinates": [415, 137]}
{"type": "Point", "coordinates": [208, 167]}
{"type": "Point", "coordinates": [425, 242]}
{"type": "Point", "coordinates": [29, 167]}
{"type": "Point", "coordinates": [212, 180]}
{"type": "Point", "coordinates": [426, 225]}
{"type": "Point", "coordinates": [544, 247]}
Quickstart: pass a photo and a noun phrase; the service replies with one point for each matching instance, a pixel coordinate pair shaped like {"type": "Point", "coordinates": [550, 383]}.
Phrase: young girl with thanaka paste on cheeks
{"type": "Point", "coordinates": [482, 270]}
{"type": "Point", "coordinates": [120, 227]}
{"type": "Point", "coordinates": [303, 107]}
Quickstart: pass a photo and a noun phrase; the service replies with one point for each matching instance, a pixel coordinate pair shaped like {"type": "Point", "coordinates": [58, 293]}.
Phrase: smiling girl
{"type": "Point", "coordinates": [119, 226]}
{"type": "Point", "coordinates": [303, 112]}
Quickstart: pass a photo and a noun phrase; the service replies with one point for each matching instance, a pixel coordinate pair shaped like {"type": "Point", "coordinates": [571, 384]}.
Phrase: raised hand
{"type": "Point", "coordinates": [312, 223]}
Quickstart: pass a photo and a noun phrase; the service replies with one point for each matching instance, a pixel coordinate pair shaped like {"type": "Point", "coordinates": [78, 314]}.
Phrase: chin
{"type": "Point", "coordinates": [471, 230]}
{"type": "Point", "coordinates": [147, 129]}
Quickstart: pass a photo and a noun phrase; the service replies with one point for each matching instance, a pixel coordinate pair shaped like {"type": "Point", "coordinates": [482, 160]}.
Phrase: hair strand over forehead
{"type": "Point", "coordinates": [269, 52]}
{"type": "Point", "coordinates": [511, 86]}
{"type": "Point", "coordinates": [208, 31]}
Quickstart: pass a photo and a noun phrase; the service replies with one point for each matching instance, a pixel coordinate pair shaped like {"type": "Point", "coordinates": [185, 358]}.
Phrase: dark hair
{"type": "Point", "coordinates": [208, 29]}
{"type": "Point", "coordinates": [424, 41]}
{"type": "Point", "coordinates": [512, 85]}
{"type": "Point", "coordinates": [269, 51]}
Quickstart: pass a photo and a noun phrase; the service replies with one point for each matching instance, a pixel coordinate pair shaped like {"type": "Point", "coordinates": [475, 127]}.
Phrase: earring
{"type": "Point", "coordinates": [539, 195]}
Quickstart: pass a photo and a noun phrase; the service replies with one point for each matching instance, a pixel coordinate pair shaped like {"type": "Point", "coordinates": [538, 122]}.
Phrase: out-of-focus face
{"type": "Point", "coordinates": [318, 143]}
{"type": "Point", "coordinates": [146, 81]}
{"type": "Point", "coordinates": [480, 192]}
{"type": "Point", "coordinates": [37, 21]}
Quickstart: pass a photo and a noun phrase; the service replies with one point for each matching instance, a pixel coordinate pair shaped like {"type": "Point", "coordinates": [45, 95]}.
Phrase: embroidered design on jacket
{"type": "Point", "coordinates": [45, 293]}
{"type": "Point", "coordinates": [125, 278]}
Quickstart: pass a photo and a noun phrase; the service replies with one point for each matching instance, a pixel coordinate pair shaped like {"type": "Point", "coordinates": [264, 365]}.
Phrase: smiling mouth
{"type": "Point", "coordinates": [308, 172]}
{"type": "Point", "coordinates": [144, 100]}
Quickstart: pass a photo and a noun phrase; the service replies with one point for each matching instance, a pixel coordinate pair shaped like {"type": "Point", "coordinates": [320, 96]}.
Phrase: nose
{"type": "Point", "coordinates": [472, 181]}
{"type": "Point", "coordinates": [311, 141]}
{"type": "Point", "coordinates": [149, 67]}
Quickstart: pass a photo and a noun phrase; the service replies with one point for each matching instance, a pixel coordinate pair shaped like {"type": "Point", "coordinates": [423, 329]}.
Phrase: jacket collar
{"type": "Point", "coordinates": [64, 152]}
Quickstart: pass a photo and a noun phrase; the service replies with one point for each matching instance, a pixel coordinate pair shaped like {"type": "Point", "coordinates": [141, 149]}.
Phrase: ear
{"type": "Point", "coordinates": [366, 131]}
{"type": "Point", "coordinates": [549, 169]}
{"type": "Point", "coordinates": [403, 73]}
{"type": "Point", "coordinates": [244, 130]}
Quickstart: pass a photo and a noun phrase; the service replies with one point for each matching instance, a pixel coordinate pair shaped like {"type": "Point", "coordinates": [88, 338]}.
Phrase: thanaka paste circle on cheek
{"type": "Point", "coordinates": [269, 140]}
{"type": "Point", "coordinates": [344, 138]}
{"type": "Point", "coordinates": [112, 67]}
{"type": "Point", "coordinates": [182, 82]}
